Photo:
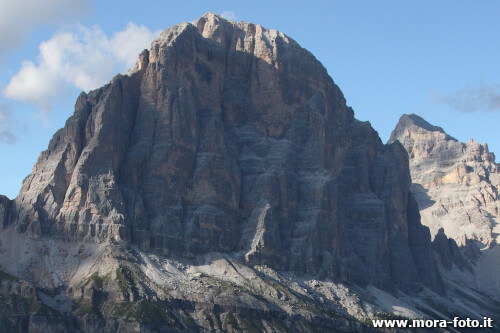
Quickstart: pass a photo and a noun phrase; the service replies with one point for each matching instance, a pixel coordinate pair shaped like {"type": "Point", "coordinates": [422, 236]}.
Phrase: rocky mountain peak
{"type": "Point", "coordinates": [412, 130]}
{"type": "Point", "coordinates": [456, 184]}
{"type": "Point", "coordinates": [229, 137]}
{"type": "Point", "coordinates": [410, 120]}
{"type": "Point", "coordinates": [223, 184]}
{"type": "Point", "coordinates": [457, 188]}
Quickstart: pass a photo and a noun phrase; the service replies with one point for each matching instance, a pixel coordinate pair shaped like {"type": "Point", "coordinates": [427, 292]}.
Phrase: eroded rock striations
{"type": "Point", "coordinates": [456, 184]}
{"type": "Point", "coordinates": [457, 188]}
{"type": "Point", "coordinates": [231, 137]}
{"type": "Point", "coordinates": [226, 138]}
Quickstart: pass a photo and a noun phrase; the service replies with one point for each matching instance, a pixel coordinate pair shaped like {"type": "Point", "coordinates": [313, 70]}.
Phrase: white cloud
{"type": "Point", "coordinates": [127, 44]}
{"type": "Point", "coordinates": [227, 14]}
{"type": "Point", "coordinates": [81, 57]}
{"type": "Point", "coordinates": [19, 18]}
{"type": "Point", "coordinates": [482, 97]}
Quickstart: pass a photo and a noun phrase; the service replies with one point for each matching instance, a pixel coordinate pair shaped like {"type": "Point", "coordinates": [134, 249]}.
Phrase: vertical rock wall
{"type": "Point", "coordinates": [231, 137]}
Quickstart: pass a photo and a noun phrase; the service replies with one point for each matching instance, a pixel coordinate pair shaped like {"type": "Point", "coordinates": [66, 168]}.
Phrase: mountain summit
{"type": "Point", "coordinates": [456, 186]}
{"type": "Point", "coordinates": [461, 179]}
{"type": "Point", "coordinates": [221, 183]}
{"type": "Point", "coordinates": [409, 121]}
{"type": "Point", "coordinates": [230, 138]}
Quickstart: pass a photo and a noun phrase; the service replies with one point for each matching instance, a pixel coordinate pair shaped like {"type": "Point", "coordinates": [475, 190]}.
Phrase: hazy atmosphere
{"type": "Point", "coordinates": [438, 60]}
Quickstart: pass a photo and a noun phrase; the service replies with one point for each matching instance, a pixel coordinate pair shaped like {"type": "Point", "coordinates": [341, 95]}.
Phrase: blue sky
{"type": "Point", "coordinates": [438, 59]}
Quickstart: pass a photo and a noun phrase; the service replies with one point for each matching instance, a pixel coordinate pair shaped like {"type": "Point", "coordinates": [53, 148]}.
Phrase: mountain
{"type": "Point", "coordinates": [222, 184]}
{"type": "Point", "coordinates": [456, 184]}
{"type": "Point", "coordinates": [457, 187]}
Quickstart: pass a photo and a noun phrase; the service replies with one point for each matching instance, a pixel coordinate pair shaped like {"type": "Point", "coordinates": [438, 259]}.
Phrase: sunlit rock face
{"type": "Point", "coordinates": [456, 184]}
{"type": "Point", "coordinates": [229, 137]}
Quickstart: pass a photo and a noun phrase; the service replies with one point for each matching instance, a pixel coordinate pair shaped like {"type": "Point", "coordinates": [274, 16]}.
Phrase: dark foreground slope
{"type": "Point", "coordinates": [224, 179]}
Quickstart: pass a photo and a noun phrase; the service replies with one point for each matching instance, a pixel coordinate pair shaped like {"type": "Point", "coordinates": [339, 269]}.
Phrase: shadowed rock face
{"type": "Point", "coordinates": [5, 210]}
{"type": "Point", "coordinates": [232, 138]}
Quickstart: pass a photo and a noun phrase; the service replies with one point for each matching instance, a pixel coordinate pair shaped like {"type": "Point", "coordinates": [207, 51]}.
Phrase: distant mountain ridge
{"type": "Point", "coordinates": [462, 178]}
{"type": "Point", "coordinates": [457, 188]}
{"type": "Point", "coordinates": [409, 120]}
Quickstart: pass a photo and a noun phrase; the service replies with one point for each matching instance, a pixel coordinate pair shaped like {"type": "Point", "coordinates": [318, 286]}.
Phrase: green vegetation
{"type": "Point", "coordinates": [7, 276]}
{"type": "Point", "coordinates": [93, 306]}
{"type": "Point", "coordinates": [190, 323]}
{"type": "Point", "coordinates": [99, 281]}
{"type": "Point", "coordinates": [248, 323]}
{"type": "Point", "coordinates": [147, 312]}
{"type": "Point", "coordinates": [229, 320]}
{"type": "Point", "coordinates": [85, 307]}
{"type": "Point", "coordinates": [213, 320]}
{"type": "Point", "coordinates": [279, 325]}
{"type": "Point", "coordinates": [16, 305]}
{"type": "Point", "coordinates": [126, 279]}
{"type": "Point", "coordinates": [306, 326]}
{"type": "Point", "coordinates": [251, 324]}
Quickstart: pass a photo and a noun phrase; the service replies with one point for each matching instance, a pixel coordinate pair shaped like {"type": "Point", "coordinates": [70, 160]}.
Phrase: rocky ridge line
{"type": "Point", "coordinates": [231, 137]}
{"type": "Point", "coordinates": [456, 184]}
{"type": "Point", "coordinates": [457, 188]}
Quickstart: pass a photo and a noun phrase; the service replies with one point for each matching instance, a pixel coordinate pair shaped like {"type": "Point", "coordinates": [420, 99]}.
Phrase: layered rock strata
{"type": "Point", "coordinates": [456, 184]}
{"type": "Point", "coordinates": [229, 137]}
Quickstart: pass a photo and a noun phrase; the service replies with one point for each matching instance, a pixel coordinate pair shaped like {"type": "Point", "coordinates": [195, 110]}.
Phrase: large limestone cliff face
{"type": "Point", "coordinates": [456, 184]}
{"type": "Point", "coordinates": [231, 138]}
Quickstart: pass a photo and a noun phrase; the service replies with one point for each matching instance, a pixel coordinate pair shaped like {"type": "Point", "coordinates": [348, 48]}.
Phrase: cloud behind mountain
{"type": "Point", "coordinates": [80, 57]}
{"type": "Point", "coordinates": [481, 97]}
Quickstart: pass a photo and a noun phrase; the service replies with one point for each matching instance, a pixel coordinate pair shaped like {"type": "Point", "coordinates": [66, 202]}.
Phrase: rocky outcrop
{"type": "Point", "coordinates": [231, 138]}
{"type": "Point", "coordinates": [220, 295]}
{"type": "Point", "coordinates": [456, 184]}
{"type": "Point", "coordinates": [449, 252]}
{"type": "Point", "coordinates": [22, 310]}
{"type": "Point", "coordinates": [5, 210]}
{"type": "Point", "coordinates": [221, 185]}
